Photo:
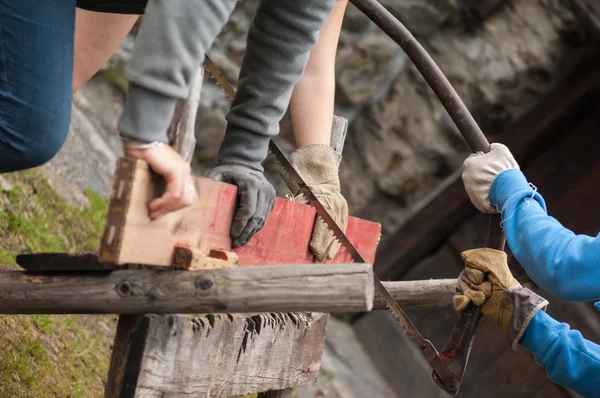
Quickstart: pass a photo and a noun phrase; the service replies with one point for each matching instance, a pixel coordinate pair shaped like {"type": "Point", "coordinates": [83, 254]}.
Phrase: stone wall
{"type": "Point", "coordinates": [401, 144]}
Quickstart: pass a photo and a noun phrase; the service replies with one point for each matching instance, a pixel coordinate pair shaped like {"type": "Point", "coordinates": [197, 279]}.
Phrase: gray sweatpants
{"type": "Point", "coordinates": [171, 44]}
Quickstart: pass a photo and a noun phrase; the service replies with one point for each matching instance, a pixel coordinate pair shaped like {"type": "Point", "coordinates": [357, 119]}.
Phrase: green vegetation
{"type": "Point", "coordinates": [46, 355]}
{"type": "Point", "coordinates": [34, 219]}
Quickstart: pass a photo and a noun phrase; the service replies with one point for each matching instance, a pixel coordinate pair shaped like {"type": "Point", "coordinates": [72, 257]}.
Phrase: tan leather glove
{"type": "Point", "coordinates": [318, 165]}
{"type": "Point", "coordinates": [487, 282]}
{"type": "Point", "coordinates": [481, 169]}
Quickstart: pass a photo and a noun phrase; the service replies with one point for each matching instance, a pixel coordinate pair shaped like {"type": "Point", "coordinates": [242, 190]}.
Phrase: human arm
{"type": "Point", "coordinates": [170, 46]}
{"type": "Point", "coordinates": [570, 360]}
{"type": "Point", "coordinates": [313, 98]}
{"type": "Point", "coordinates": [279, 43]}
{"type": "Point", "coordinates": [564, 264]}
{"type": "Point", "coordinates": [311, 107]}
{"type": "Point", "coordinates": [97, 36]}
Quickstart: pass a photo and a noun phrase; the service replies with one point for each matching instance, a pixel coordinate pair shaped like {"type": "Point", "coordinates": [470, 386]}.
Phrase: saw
{"type": "Point", "coordinates": [444, 376]}
{"type": "Point", "coordinates": [449, 366]}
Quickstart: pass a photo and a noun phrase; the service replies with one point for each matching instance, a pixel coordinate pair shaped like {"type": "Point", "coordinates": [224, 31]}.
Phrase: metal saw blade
{"type": "Point", "coordinates": [219, 78]}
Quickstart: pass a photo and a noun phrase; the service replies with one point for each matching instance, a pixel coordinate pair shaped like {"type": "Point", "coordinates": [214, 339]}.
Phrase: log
{"type": "Point", "coordinates": [426, 294]}
{"type": "Point", "coordinates": [131, 237]}
{"type": "Point", "coordinates": [310, 287]}
{"type": "Point", "coordinates": [220, 356]}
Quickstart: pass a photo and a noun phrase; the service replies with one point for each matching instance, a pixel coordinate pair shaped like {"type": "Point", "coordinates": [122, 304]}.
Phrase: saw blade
{"type": "Point", "coordinates": [219, 78]}
{"type": "Point", "coordinates": [437, 364]}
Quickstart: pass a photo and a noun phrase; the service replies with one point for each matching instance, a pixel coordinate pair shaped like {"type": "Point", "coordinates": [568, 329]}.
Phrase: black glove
{"type": "Point", "coordinates": [256, 196]}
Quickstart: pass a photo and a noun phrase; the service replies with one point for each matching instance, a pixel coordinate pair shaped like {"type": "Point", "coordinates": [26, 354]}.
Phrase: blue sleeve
{"type": "Point", "coordinates": [569, 359]}
{"type": "Point", "coordinates": [562, 263]}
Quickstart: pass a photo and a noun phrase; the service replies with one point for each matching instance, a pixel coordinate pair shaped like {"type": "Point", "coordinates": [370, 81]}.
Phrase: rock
{"type": "Point", "coordinates": [346, 369]}
{"type": "Point", "coordinates": [422, 17]}
{"type": "Point", "coordinates": [376, 56]}
{"type": "Point", "coordinates": [88, 157]}
{"type": "Point", "coordinates": [408, 144]}
{"type": "Point", "coordinates": [66, 190]}
{"type": "Point", "coordinates": [5, 186]}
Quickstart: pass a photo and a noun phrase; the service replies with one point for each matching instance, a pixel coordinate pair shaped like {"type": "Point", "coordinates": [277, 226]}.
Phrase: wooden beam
{"type": "Point", "coordinates": [311, 287]}
{"type": "Point", "coordinates": [221, 356]}
{"type": "Point", "coordinates": [426, 294]}
{"type": "Point", "coordinates": [131, 237]}
{"type": "Point", "coordinates": [588, 11]}
{"type": "Point", "coordinates": [532, 134]}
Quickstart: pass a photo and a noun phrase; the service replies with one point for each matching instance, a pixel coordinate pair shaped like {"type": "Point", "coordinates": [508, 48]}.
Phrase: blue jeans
{"type": "Point", "coordinates": [36, 69]}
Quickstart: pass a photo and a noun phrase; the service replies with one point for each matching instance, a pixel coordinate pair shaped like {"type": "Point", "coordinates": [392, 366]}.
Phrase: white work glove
{"type": "Point", "coordinates": [318, 165]}
{"type": "Point", "coordinates": [480, 171]}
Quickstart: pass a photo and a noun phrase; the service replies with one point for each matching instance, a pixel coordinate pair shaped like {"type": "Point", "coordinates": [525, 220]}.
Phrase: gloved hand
{"type": "Point", "coordinates": [487, 282]}
{"type": "Point", "coordinates": [256, 197]}
{"type": "Point", "coordinates": [318, 165]}
{"type": "Point", "coordinates": [480, 171]}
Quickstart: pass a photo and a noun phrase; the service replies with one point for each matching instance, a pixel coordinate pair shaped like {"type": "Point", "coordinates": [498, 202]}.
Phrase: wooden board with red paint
{"type": "Point", "coordinates": [132, 237]}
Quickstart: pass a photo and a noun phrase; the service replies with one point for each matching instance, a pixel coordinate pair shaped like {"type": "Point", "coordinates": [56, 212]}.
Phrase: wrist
{"type": "Point", "coordinates": [146, 114]}
{"type": "Point", "coordinates": [525, 304]}
{"type": "Point", "coordinates": [505, 184]}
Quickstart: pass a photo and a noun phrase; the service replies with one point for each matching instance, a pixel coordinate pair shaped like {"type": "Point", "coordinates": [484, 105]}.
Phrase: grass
{"type": "Point", "coordinates": [34, 219]}
{"type": "Point", "coordinates": [46, 355]}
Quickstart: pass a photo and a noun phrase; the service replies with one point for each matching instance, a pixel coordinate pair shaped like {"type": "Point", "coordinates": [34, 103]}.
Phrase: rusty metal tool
{"type": "Point", "coordinates": [458, 348]}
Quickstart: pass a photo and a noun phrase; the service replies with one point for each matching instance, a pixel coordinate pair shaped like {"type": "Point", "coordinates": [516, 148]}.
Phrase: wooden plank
{"type": "Point", "coordinates": [134, 238]}
{"type": "Point", "coordinates": [311, 287]}
{"type": "Point", "coordinates": [127, 350]}
{"type": "Point", "coordinates": [224, 356]}
{"type": "Point", "coordinates": [531, 135]}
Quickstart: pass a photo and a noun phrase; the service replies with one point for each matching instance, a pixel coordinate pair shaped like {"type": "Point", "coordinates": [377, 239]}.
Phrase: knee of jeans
{"type": "Point", "coordinates": [34, 140]}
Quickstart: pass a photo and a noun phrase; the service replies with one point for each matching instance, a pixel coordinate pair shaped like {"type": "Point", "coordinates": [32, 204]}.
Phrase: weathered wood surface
{"type": "Point", "coordinates": [425, 294]}
{"type": "Point", "coordinates": [131, 237]}
{"type": "Point", "coordinates": [127, 350]}
{"type": "Point", "coordinates": [132, 329]}
{"type": "Point", "coordinates": [182, 131]}
{"type": "Point", "coordinates": [312, 287]}
{"type": "Point", "coordinates": [224, 356]}
{"type": "Point", "coordinates": [339, 130]}
{"type": "Point", "coordinates": [428, 228]}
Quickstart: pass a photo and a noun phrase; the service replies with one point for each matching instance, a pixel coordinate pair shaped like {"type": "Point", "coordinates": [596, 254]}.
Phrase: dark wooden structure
{"type": "Point", "coordinates": [555, 144]}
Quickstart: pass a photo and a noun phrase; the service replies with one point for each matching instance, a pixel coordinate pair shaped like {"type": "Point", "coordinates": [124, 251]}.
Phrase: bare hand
{"type": "Point", "coordinates": [181, 190]}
